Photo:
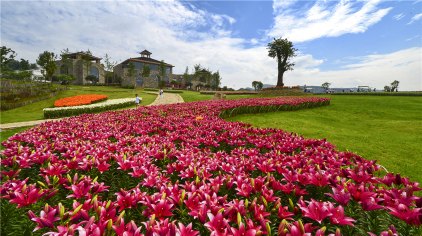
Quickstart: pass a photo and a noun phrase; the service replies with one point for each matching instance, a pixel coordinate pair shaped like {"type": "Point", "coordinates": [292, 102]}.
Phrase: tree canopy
{"type": "Point", "coordinates": [326, 85]}
{"type": "Point", "coordinates": [283, 50]}
{"type": "Point", "coordinates": [47, 62]}
{"type": "Point", "coordinates": [257, 85]}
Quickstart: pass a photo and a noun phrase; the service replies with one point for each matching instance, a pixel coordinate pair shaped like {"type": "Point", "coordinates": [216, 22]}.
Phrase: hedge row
{"type": "Point", "coordinates": [15, 94]}
{"type": "Point", "coordinates": [229, 92]}
{"type": "Point", "coordinates": [93, 108]}
{"type": "Point", "coordinates": [165, 90]}
{"type": "Point", "coordinates": [383, 94]}
{"type": "Point", "coordinates": [261, 109]}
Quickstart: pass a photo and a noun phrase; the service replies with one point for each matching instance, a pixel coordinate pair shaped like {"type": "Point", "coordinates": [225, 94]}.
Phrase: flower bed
{"type": "Point", "coordinates": [79, 100]}
{"type": "Point", "coordinates": [182, 170]}
{"type": "Point", "coordinates": [92, 108]}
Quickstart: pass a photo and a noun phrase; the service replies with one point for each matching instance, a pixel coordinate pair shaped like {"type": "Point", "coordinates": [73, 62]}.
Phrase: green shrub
{"type": "Point", "coordinates": [57, 113]}
{"type": "Point", "coordinates": [15, 93]}
{"type": "Point", "coordinates": [261, 109]}
{"type": "Point", "coordinates": [383, 94]}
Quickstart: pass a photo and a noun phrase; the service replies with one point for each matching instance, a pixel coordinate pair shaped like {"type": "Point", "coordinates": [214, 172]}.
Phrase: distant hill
{"type": "Point", "coordinates": [246, 89]}
{"type": "Point", "coordinates": [268, 86]}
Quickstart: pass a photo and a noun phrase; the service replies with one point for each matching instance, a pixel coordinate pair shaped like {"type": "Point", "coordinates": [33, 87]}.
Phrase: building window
{"type": "Point", "coordinates": [94, 71]}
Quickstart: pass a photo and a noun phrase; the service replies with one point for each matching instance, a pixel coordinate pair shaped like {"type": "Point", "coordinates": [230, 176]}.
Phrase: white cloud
{"type": "Point", "coordinates": [415, 18]}
{"type": "Point", "coordinates": [183, 36]}
{"type": "Point", "coordinates": [325, 19]}
{"type": "Point", "coordinates": [398, 16]}
{"type": "Point", "coordinates": [282, 5]}
{"type": "Point", "coordinates": [373, 70]}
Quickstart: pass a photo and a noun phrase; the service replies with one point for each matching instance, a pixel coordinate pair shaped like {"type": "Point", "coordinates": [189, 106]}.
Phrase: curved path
{"type": "Point", "coordinates": [167, 98]}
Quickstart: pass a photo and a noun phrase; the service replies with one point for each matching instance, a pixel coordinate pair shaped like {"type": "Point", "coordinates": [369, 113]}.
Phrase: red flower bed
{"type": "Point", "coordinates": [182, 170]}
{"type": "Point", "coordinates": [79, 100]}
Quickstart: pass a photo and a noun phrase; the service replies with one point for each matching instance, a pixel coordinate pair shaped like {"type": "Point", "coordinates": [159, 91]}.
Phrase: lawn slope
{"type": "Point", "coordinates": [387, 129]}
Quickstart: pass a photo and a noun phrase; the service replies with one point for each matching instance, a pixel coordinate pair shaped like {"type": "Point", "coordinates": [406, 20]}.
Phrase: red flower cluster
{"type": "Point", "coordinates": [79, 100]}
{"type": "Point", "coordinates": [182, 170]}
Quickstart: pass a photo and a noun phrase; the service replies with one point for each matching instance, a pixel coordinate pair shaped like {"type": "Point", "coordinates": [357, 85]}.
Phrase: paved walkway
{"type": "Point", "coordinates": [167, 98]}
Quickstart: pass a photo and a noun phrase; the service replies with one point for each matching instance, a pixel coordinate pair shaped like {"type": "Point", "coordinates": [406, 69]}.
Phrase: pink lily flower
{"type": "Point", "coordinates": [338, 217]}
{"type": "Point", "coordinates": [47, 217]}
{"type": "Point", "coordinates": [317, 211]}
{"type": "Point", "coordinates": [340, 195]}
{"type": "Point", "coordinates": [183, 230]}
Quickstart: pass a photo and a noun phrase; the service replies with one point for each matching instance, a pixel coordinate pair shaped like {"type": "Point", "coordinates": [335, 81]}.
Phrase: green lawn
{"type": "Point", "coordinates": [193, 96]}
{"type": "Point", "coordinates": [5, 134]}
{"type": "Point", "coordinates": [34, 111]}
{"type": "Point", "coordinates": [387, 129]}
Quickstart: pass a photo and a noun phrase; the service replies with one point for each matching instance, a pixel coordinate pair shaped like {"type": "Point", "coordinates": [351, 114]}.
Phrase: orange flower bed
{"type": "Point", "coordinates": [79, 100]}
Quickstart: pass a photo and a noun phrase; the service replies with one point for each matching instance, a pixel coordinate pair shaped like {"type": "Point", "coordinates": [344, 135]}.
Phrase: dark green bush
{"type": "Point", "coordinates": [73, 112]}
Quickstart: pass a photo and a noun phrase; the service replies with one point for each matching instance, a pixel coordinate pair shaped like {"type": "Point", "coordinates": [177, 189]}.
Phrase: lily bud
{"type": "Point", "coordinates": [61, 210]}
{"type": "Point", "coordinates": [338, 233]}
{"type": "Point", "coordinates": [246, 203]}
{"type": "Point", "coordinates": [152, 220]}
{"type": "Point", "coordinates": [301, 227]}
{"type": "Point", "coordinates": [277, 205]}
{"type": "Point", "coordinates": [221, 210]}
{"type": "Point", "coordinates": [108, 204]}
{"type": "Point", "coordinates": [239, 219]}
{"type": "Point", "coordinates": [109, 224]}
{"type": "Point", "coordinates": [55, 180]}
{"type": "Point", "coordinates": [94, 198]}
{"type": "Point", "coordinates": [291, 205]}
{"type": "Point", "coordinates": [77, 209]}
{"type": "Point", "coordinates": [120, 216]}
{"type": "Point", "coordinates": [163, 196]}
{"type": "Point", "coordinates": [282, 227]}
{"type": "Point", "coordinates": [264, 201]}
{"type": "Point", "coordinates": [252, 182]}
{"type": "Point", "coordinates": [267, 225]}
{"type": "Point", "coordinates": [95, 179]}
{"type": "Point", "coordinates": [41, 183]}
{"type": "Point", "coordinates": [182, 197]}
{"type": "Point", "coordinates": [69, 178]}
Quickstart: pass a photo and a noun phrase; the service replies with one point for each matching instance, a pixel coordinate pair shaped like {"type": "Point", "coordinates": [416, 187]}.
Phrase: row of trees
{"type": "Point", "coordinates": [257, 85]}
{"type": "Point", "coordinates": [393, 86]}
{"type": "Point", "coordinates": [206, 78]}
{"type": "Point", "coordinates": [12, 68]}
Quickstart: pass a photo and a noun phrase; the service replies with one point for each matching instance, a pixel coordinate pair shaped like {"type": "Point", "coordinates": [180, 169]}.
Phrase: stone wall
{"type": "Point", "coordinates": [78, 70]}
{"type": "Point", "coordinates": [149, 82]}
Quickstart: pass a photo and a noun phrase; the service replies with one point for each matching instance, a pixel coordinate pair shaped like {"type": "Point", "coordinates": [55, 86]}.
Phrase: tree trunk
{"type": "Point", "coordinates": [280, 77]}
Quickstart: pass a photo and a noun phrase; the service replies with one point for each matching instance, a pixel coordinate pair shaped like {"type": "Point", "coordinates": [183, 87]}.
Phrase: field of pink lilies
{"type": "Point", "coordinates": [183, 170]}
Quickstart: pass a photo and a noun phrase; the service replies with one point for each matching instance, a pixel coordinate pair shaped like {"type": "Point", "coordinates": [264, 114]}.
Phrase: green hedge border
{"type": "Point", "coordinates": [382, 94]}
{"type": "Point", "coordinates": [273, 108]}
{"type": "Point", "coordinates": [73, 112]}
{"type": "Point", "coordinates": [165, 90]}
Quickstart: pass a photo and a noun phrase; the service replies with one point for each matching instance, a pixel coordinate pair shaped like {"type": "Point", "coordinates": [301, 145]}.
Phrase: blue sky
{"type": "Point", "coordinates": [346, 43]}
